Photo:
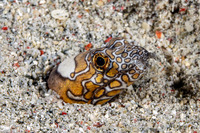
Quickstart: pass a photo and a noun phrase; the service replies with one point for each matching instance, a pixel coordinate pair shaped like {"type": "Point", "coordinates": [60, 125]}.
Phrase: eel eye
{"type": "Point", "coordinates": [100, 61]}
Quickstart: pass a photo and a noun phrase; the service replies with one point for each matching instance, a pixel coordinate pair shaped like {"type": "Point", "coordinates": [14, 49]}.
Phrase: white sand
{"type": "Point", "coordinates": [36, 35]}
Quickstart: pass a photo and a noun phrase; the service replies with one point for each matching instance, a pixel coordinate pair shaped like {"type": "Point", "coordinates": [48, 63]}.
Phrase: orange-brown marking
{"type": "Point", "coordinates": [133, 52]}
{"type": "Point", "coordinates": [113, 40]}
{"type": "Point", "coordinates": [72, 74]}
{"type": "Point", "coordinates": [89, 101]}
{"type": "Point", "coordinates": [113, 71]}
{"type": "Point", "coordinates": [124, 66]}
{"type": "Point", "coordinates": [81, 64]}
{"type": "Point", "coordinates": [137, 68]}
{"type": "Point", "coordinates": [135, 76]}
{"type": "Point", "coordinates": [68, 100]}
{"type": "Point", "coordinates": [109, 52]}
{"type": "Point", "coordinates": [113, 93]}
{"type": "Point", "coordinates": [125, 78]}
{"type": "Point", "coordinates": [127, 60]}
{"type": "Point", "coordinates": [118, 44]}
{"type": "Point", "coordinates": [140, 53]}
{"type": "Point", "coordinates": [119, 59]}
{"type": "Point", "coordinates": [90, 87]}
{"type": "Point", "coordinates": [129, 49]}
{"type": "Point", "coordinates": [128, 46]}
{"type": "Point", "coordinates": [99, 93]}
{"type": "Point", "coordinates": [103, 101]}
{"type": "Point", "coordinates": [121, 50]}
{"type": "Point", "coordinates": [132, 71]}
{"type": "Point", "coordinates": [124, 55]}
{"type": "Point", "coordinates": [99, 49]}
{"type": "Point", "coordinates": [130, 65]}
{"type": "Point", "coordinates": [135, 58]}
{"type": "Point", "coordinates": [105, 81]}
{"type": "Point", "coordinates": [99, 78]}
{"type": "Point", "coordinates": [115, 84]}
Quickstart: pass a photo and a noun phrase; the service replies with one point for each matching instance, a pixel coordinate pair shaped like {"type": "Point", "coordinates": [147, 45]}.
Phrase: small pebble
{"type": "Point", "coordinates": [146, 26]}
{"type": "Point", "coordinates": [100, 3]}
{"type": "Point", "coordinates": [60, 14]}
{"type": "Point", "coordinates": [189, 26]}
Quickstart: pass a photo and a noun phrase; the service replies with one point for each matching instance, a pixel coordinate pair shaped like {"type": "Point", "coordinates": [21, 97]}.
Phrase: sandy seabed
{"type": "Point", "coordinates": [36, 35]}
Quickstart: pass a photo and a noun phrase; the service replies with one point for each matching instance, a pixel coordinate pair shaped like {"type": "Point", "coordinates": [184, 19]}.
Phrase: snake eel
{"type": "Point", "coordinates": [98, 75]}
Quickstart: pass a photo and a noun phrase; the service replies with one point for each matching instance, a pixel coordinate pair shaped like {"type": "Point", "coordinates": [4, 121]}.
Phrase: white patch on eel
{"type": "Point", "coordinates": [66, 67]}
